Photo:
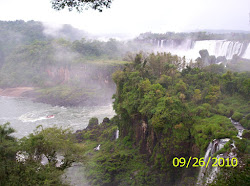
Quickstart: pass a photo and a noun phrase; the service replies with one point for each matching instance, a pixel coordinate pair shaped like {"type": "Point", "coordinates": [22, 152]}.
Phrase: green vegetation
{"type": "Point", "coordinates": [245, 122]}
{"type": "Point", "coordinates": [61, 69]}
{"type": "Point", "coordinates": [215, 127]}
{"type": "Point", "coordinates": [116, 162]}
{"type": "Point", "coordinates": [238, 175]}
{"type": "Point", "coordinates": [164, 111]}
{"type": "Point", "coordinates": [93, 122]}
{"type": "Point", "coordinates": [237, 116]}
{"type": "Point", "coordinates": [21, 160]}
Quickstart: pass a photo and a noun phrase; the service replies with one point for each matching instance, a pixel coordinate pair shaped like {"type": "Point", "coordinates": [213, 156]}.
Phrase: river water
{"type": "Point", "coordinates": [25, 115]}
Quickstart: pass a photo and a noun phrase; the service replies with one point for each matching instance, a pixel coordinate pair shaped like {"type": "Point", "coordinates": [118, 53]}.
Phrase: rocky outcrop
{"type": "Point", "coordinates": [206, 58]}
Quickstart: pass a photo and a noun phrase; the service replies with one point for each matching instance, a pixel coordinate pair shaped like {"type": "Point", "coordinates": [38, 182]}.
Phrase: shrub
{"type": "Point", "coordinates": [246, 134]}
{"type": "Point", "coordinates": [93, 122]}
{"type": "Point", "coordinates": [245, 122]}
{"type": "Point", "coordinates": [223, 110]}
{"type": "Point", "coordinates": [237, 116]}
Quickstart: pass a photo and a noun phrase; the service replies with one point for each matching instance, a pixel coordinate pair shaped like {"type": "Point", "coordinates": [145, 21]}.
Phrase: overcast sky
{"type": "Point", "coordinates": [137, 16]}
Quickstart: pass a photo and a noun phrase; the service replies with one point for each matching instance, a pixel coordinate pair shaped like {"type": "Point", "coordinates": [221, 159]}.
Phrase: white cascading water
{"type": "Point", "coordinates": [97, 148]}
{"type": "Point", "coordinates": [203, 169]}
{"type": "Point", "coordinates": [219, 47]}
{"type": "Point", "coordinates": [239, 127]}
{"type": "Point", "coordinates": [246, 54]}
{"type": "Point", "coordinates": [207, 175]}
{"type": "Point", "coordinates": [117, 134]}
{"type": "Point", "coordinates": [191, 49]}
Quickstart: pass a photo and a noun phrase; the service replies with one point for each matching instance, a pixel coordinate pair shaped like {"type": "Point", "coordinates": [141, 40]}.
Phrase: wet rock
{"type": "Point", "coordinates": [106, 120]}
{"type": "Point", "coordinates": [205, 57]}
{"type": "Point", "coordinates": [79, 136]}
{"type": "Point", "coordinates": [221, 59]}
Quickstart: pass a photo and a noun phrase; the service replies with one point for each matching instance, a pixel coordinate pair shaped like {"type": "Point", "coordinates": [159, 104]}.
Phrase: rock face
{"type": "Point", "coordinates": [206, 58]}
{"type": "Point", "coordinates": [147, 139]}
{"type": "Point", "coordinates": [87, 74]}
{"type": "Point", "coordinates": [221, 59]}
{"type": "Point", "coordinates": [160, 148]}
{"type": "Point", "coordinates": [106, 120]}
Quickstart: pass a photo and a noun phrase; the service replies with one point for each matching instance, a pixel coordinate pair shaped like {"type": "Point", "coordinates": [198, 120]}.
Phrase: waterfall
{"type": "Point", "coordinates": [97, 148]}
{"type": "Point", "coordinates": [203, 169]}
{"type": "Point", "coordinates": [207, 175]}
{"type": "Point", "coordinates": [162, 43]}
{"type": "Point", "coordinates": [117, 134]}
{"type": "Point", "coordinates": [239, 127]}
{"type": "Point", "coordinates": [211, 172]}
{"type": "Point", "coordinates": [246, 54]}
{"type": "Point", "coordinates": [217, 48]}
{"type": "Point", "coordinates": [158, 43]}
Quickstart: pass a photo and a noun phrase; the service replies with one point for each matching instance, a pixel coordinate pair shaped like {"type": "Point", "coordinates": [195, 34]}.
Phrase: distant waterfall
{"type": "Point", "coordinates": [219, 47]}
{"type": "Point", "coordinates": [246, 54]}
{"type": "Point", "coordinates": [117, 134]}
{"type": "Point", "coordinates": [191, 48]}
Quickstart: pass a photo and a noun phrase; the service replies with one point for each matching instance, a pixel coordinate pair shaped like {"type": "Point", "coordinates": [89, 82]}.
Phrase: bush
{"type": "Point", "coordinates": [237, 116]}
{"type": "Point", "coordinates": [93, 122]}
{"type": "Point", "coordinates": [242, 145]}
{"type": "Point", "coordinates": [223, 110]}
{"type": "Point", "coordinates": [245, 122]}
{"type": "Point", "coordinates": [204, 110]}
{"type": "Point", "coordinates": [246, 134]}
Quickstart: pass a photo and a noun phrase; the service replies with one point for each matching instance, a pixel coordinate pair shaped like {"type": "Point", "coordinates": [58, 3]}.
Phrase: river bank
{"type": "Point", "coordinates": [15, 92]}
{"type": "Point", "coordinates": [62, 95]}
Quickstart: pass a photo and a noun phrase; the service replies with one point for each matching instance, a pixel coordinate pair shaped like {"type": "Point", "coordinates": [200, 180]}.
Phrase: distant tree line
{"type": "Point", "coordinates": [195, 36]}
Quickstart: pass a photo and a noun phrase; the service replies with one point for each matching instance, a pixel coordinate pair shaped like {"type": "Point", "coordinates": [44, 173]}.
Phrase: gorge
{"type": "Point", "coordinates": [131, 113]}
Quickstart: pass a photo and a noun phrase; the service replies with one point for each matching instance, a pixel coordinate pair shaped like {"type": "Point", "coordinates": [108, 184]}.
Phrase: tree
{"type": "Point", "coordinates": [8, 148]}
{"type": "Point", "coordinates": [79, 5]}
{"type": "Point", "coordinates": [213, 94]}
{"type": "Point", "coordinates": [5, 132]}
{"type": "Point", "coordinates": [51, 142]}
{"type": "Point", "coordinates": [197, 95]}
{"type": "Point", "coordinates": [21, 160]}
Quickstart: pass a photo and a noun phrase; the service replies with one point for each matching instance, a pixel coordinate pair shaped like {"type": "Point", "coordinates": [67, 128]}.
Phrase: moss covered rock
{"type": "Point", "coordinates": [92, 122]}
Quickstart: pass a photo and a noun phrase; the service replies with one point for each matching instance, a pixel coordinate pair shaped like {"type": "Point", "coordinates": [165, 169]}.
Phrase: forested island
{"type": "Point", "coordinates": [166, 107]}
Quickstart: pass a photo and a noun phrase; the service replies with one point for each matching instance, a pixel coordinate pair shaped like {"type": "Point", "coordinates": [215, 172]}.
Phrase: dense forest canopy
{"type": "Point", "coordinates": [196, 36]}
{"type": "Point", "coordinates": [180, 107]}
